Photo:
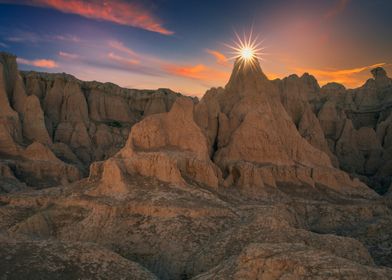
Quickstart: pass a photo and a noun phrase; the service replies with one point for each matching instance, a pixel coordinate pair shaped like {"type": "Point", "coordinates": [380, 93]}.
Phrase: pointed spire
{"type": "Point", "coordinates": [246, 74]}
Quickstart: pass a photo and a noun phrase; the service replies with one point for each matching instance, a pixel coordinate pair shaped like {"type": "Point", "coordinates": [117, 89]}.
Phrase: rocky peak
{"type": "Point", "coordinates": [246, 75]}
{"type": "Point", "coordinates": [311, 82]}
{"type": "Point", "coordinates": [379, 73]}
{"type": "Point", "coordinates": [8, 62]}
{"type": "Point", "coordinates": [381, 78]}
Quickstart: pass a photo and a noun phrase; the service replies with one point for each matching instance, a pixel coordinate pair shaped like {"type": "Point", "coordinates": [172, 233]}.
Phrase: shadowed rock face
{"type": "Point", "coordinates": [257, 142]}
{"type": "Point", "coordinates": [351, 126]}
{"type": "Point", "coordinates": [356, 124]}
{"type": "Point", "coordinates": [245, 184]}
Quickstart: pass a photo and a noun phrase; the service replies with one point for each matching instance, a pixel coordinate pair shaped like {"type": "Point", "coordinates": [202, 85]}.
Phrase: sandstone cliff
{"type": "Point", "coordinates": [356, 124]}
{"type": "Point", "coordinates": [80, 122]}
{"type": "Point", "coordinates": [258, 144]}
{"type": "Point", "coordinates": [351, 126]}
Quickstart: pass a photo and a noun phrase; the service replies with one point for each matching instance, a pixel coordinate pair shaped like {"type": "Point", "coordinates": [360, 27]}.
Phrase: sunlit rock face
{"type": "Point", "coordinates": [170, 147]}
{"type": "Point", "coordinates": [80, 122]}
{"type": "Point", "coordinates": [245, 184]}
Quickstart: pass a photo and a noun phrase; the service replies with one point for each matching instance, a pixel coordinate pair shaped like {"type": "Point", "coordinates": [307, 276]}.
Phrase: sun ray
{"type": "Point", "coordinates": [247, 50]}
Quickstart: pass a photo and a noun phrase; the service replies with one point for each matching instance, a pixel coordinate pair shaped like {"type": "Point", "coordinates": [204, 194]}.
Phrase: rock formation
{"type": "Point", "coordinates": [257, 142]}
{"type": "Point", "coordinates": [349, 125]}
{"type": "Point", "coordinates": [80, 122]}
{"type": "Point", "coordinates": [170, 147]}
{"type": "Point", "coordinates": [53, 260]}
{"type": "Point", "coordinates": [258, 180]}
{"type": "Point", "coordinates": [355, 124]}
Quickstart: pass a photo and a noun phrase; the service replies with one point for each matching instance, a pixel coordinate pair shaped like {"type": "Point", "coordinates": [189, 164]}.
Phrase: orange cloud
{"type": "Point", "coordinates": [197, 72]}
{"type": "Point", "coordinates": [349, 77]}
{"type": "Point", "coordinates": [42, 63]}
{"type": "Point", "coordinates": [117, 11]}
{"type": "Point", "coordinates": [220, 57]}
{"type": "Point", "coordinates": [68, 55]}
{"type": "Point", "coordinates": [339, 7]}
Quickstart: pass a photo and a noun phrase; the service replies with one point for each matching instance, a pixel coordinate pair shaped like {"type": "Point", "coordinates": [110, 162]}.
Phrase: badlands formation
{"type": "Point", "coordinates": [261, 179]}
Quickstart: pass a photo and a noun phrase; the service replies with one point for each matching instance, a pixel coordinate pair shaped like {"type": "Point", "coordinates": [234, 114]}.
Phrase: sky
{"type": "Point", "coordinates": [182, 44]}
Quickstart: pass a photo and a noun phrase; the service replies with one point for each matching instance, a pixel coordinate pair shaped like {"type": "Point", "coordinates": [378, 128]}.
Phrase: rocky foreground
{"type": "Point", "coordinates": [258, 180]}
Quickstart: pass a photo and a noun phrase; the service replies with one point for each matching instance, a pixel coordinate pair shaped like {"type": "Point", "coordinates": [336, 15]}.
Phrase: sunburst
{"type": "Point", "coordinates": [248, 50]}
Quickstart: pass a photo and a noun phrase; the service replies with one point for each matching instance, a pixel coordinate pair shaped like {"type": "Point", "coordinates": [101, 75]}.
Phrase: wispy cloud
{"type": "Point", "coordinates": [349, 77]}
{"type": "Point", "coordinates": [141, 63]}
{"type": "Point", "coordinates": [144, 67]}
{"type": "Point", "coordinates": [22, 36]}
{"type": "Point", "coordinates": [197, 72]}
{"type": "Point", "coordinates": [117, 45]}
{"type": "Point", "coordinates": [117, 11]}
{"type": "Point", "coordinates": [134, 61]}
{"type": "Point", "coordinates": [219, 57]}
{"type": "Point", "coordinates": [42, 63]}
{"type": "Point", "coordinates": [122, 60]}
{"type": "Point", "coordinates": [67, 38]}
{"type": "Point", "coordinates": [68, 55]}
{"type": "Point", "coordinates": [3, 45]}
{"type": "Point", "coordinates": [338, 8]}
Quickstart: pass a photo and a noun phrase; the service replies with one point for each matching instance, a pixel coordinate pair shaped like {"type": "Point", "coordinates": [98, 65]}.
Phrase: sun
{"type": "Point", "coordinates": [247, 53]}
{"type": "Point", "coordinates": [247, 49]}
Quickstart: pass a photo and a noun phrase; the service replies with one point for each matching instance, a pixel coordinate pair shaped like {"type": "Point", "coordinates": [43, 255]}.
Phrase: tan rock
{"type": "Point", "coordinates": [331, 120]}
{"type": "Point", "coordinates": [37, 151]}
{"type": "Point", "coordinates": [155, 106]}
{"type": "Point", "coordinates": [10, 127]}
{"type": "Point", "coordinates": [42, 168]}
{"type": "Point", "coordinates": [175, 129]}
{"type": "Point", "coordinates": [207, 115]}
{"type": "Point", "coordinates": [33, 121]}
{"type": "Point", "coordinates": [104, 107]}
{"type": "Point", "coordinates": [112, 181]}
{"type": "Point", "coordinates": [64, 152]}
{"type": "Point", "coordinates": [159, 165]}
{"type": "Point", "coordinates": [289, 261]}
{"type": "Point", "coordinates": [170, 146]}
{"type": "Point", "coordinates": [80, 137]}
{"type": "Point", "coordinates": [347, 149]}
{"type": "Point", "coordinates": [53, 101]}
{"type": "Point", "coordinates": [58, 259]}
{"type": "Point", "coordinates": [74, 106]}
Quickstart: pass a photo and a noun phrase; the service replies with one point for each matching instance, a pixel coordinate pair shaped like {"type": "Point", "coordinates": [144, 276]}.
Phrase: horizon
{"type": "Point", "coordinates": [151, 45]}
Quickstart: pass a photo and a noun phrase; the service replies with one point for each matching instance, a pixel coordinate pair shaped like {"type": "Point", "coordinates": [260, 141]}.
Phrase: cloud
{"type": "Point", "coordinates": [21, 36]}
{"type": "Point", "coordinates": [197, 72]}
{"type": "Point", "coordinates": [121, 47]}
{"type": "Point", "coordinates": [67, 38]}
{"type": "Point", "coordinates": [117, 11]}
{"type": "Point", "coordinates": [350, 77]}
{"type": "Point", "coordinates": [119, 62]}
{"type": "Point", "coordinates": [122, 60]}
{"type": "Point", "coordinates": [42, 63]}
{"type": "Point", "coordinates": [144, 64]}
{"type": "Point", "coordinates": [68, 55]}
{"type": "Point", "coordinates": [3, 45]}
{"type": "Point", "coordinates": [219, 57]}
{"type": "Point", "coordinates": [338, 8]}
